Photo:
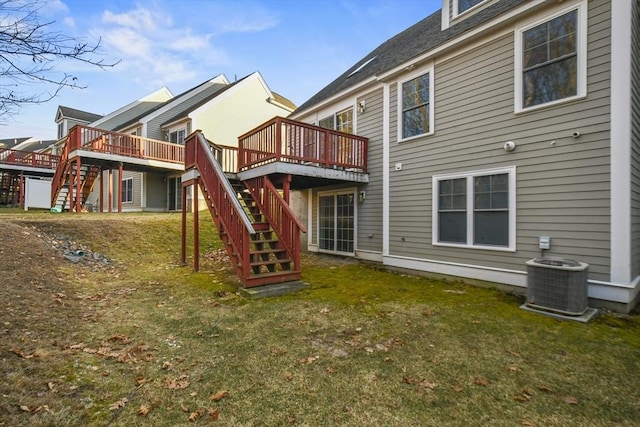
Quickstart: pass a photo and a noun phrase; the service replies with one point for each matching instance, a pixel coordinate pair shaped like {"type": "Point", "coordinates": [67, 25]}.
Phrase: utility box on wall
{"type": "Point", "coordinates": [558, 285]}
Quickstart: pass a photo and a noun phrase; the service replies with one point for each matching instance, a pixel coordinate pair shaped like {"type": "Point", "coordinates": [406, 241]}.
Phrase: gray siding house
{"type": "Point", "coordinates": [491, 124]}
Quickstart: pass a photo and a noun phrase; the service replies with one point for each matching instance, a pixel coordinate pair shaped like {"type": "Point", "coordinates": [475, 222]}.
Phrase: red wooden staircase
{"type": "Point", "coordinates": [73, 182]}
{"type": "Point", "coordinates": [258, 228]}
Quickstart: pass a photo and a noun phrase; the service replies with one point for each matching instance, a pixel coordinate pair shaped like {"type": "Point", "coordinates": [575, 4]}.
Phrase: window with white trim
{"type": "Point", "coordinates": [460, 6]}
{"type": "Point", "coordinates": [178, 136]}
{"type": "Point", "coordinates": [342, 121]}
{"type": "Point", "coordinates": [415, 105]}
{"type": "Point", "coordinates": [551, 59]}
{"type": "Point", "coordinates": [475, 209]}
{"type": "Point", "coordinates": [127, 190]}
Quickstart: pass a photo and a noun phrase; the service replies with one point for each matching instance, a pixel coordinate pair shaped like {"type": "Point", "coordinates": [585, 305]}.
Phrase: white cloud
{"type": "Point", "coordinates": [69, 22]}
{"type": "Point", "coordinates": [153, 50]}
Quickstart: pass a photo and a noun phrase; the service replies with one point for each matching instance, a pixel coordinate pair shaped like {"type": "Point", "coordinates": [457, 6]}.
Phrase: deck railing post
{"type": "Point", "coordinates": [196, 226]}
{"type": "Point", "coordinates": [120, 188]}
{"type": "Point", "coordinates": [278, 139]}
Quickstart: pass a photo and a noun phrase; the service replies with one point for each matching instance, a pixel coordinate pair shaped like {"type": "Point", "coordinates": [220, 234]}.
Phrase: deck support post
{"type": "Point", "coordinates": [120, 188]}
{"type": "Point", "coordinates": [196, 226]}
{"type": "Point", "coordinates": [183, 251]}
{"type": "Point", "coordinates": [78, 182]}
{"type": "Point", "coordinates": [101, 199]}
{"type": "Point", "coordinates": [110, 190]}
{"type": "Point", "coordinates": [21, 189]}
{"type": "Point", "coordinates": [286, 188]}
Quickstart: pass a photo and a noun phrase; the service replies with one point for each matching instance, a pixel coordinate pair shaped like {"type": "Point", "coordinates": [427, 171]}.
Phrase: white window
{"type": "Point", "coordinates": [415, 106]}
{"type": "Point", "coordinates": [460, 6]}
{"type": "Point", "coordinates": [475, 209]}
{"type": "Point", "coordinates": [178, 136]}
{"type": "Point", "coordinates": [342, 121]}
{"type": "Point", "coordinates": [127, 190]}
{"type": "Point", "coordinates": [60, 130]}
{"type": "Point", "coordinates": [551, 59]}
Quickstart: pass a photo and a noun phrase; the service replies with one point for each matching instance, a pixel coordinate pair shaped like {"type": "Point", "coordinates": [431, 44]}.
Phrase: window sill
{"type": "Point", "coordinates": [480, 247]}
{"type": "Point", "coordinates": [415, 137]}
{"type": "Point", "coordinates": [549, 104]}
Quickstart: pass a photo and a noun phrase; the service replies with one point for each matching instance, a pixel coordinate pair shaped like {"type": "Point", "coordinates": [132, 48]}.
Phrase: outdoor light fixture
{"type": "Point", "coordinates": [361, 106]}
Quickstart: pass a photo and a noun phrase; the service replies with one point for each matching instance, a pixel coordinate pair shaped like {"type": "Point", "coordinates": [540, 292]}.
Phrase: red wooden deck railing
{"type": "Point", "coordinates": [102, 141]}
{"type": "Point", "coordinates": [225, 208]}
{"type": "Point", "coordinates": [284, 140]}
{"type": "Point", "coordinates": [28, 158]}
{"type": "Point", "coordinates": [279, 215]}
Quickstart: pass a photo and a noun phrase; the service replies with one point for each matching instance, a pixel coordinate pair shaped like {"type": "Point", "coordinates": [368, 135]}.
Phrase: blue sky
{"type": "Point", "coordinates": [298, 47]}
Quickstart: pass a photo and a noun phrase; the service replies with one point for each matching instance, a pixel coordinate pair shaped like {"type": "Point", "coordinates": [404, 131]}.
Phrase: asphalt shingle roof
{"type": "Point", "coordinates": [410, 43]}
{"type": "Point", "coordinates": [79, 114]}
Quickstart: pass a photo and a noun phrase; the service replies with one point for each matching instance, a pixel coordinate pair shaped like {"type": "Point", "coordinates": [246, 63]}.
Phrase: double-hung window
{"type": "Point", "coordinates": [127, 190]}
{"type": "Point", "coordinates": [416, 105]}
{"type": "Point", "coordinates": [475, 209]}
{"type": "Point", "coordinates": [551, 59]}
{"type": "Point", "coordinates": [178, 136]}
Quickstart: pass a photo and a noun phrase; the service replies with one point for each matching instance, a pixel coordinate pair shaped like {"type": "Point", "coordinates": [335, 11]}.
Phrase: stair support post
{"type": "Point", "coordinates": [196, 227]}
{"type": "Point", "coordinates": [183, 249]}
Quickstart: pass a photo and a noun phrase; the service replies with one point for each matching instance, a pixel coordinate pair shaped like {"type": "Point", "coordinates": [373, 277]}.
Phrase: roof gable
{"type": "Point", "coordinates": [72, 113]}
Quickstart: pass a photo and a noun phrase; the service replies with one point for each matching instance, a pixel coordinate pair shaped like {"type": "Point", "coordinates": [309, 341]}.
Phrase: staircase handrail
{"type": "Point", "coordinates": [225, 183]}
{"type": "Point", "coordinates": [279, 215]}
{"type": "Point", "coordinates": [57, 183]}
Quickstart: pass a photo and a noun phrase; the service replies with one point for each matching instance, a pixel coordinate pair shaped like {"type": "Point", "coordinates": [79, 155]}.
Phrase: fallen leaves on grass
{"type": "Point", "coordinates": [308, 360]}
{"type": "Point", "coordinates": [121, 403]}
{"type": "Point", "coordinates": [570, 400]}
{"type": "Point", "coordinates": [176, 383]}
{"type": "Point", "coordinates": [219, 395]}
{"type": "Point", "coordinates": [18, 351]}
{"type": "Point", "coordinates": [213, 414]}
{"type": "Point", "coordinates": [481, 381]}
{"type": "Point", "coordinates": [144, 410]}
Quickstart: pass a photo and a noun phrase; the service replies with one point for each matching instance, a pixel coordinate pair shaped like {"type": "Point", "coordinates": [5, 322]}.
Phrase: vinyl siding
{"type": "Point", "coordinates": [562, 188]}
{"type": "Point", "coordinates": [635, 141]}
{"type": "Point", "coordinates": [370, 211]}
{"type": "Point", "coordinates": [154, 130]}
{"type": "Point", "coordinates": [156, 191]}
{"type": "Point", "coordinates": [135, 206]}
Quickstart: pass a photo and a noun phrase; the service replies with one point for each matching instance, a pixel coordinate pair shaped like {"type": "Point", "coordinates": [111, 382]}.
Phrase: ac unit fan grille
{"type": "Point", "coordinates": [557, 289]}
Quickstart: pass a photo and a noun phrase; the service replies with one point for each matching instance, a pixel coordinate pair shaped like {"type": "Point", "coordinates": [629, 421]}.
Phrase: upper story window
{"type": "Point", "coordinates": [475, 209]}
{"type": "Point", "coordinates": [460, 6]}
{"type": "Point", "coordinates": [342, 121]}
{"type": "Point", "coordinates": [60, 129]}
{"type": "Point", "coordinates": [416, 106]}
{"type": "Point", "coordinates": [551, 60]}
{"type": "Point", "coordinates": [177, 137]}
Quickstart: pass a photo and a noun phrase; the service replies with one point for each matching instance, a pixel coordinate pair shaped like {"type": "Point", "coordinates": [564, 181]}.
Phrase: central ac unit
{"type": "Point", "coordinates": [558, 285]}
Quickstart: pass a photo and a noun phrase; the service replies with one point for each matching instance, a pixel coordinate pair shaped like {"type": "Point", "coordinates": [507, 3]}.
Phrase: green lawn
{"type": "Point", "coordinates": [148, 342]}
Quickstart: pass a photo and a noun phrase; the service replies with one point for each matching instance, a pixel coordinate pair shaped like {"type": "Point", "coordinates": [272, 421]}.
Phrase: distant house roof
{"type": "Point", "coordinates": [184, 113]}
{"type": "Point", "coordinates": [410, 43]}
{"type": "Point", "coordinates": [119, 119]}
{"type": "Point", "coordinates": [180, 100]}
{"type": "Point", "coordinates": [25, 144]}
{"type": "Point", "coordinates": [12, 142]}
{"type": "Point", "coordinates": [284, 101]}
{"type": "Point", "coordinates": [80, 115]}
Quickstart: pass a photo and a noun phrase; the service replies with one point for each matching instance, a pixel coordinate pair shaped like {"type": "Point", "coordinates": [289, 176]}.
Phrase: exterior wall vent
{"type": "Point", "coordinates": [558, 285]}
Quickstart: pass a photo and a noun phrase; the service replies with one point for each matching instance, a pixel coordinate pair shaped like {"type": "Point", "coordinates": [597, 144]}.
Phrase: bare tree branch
{"type": "Point", "coordinates": [29, 51]}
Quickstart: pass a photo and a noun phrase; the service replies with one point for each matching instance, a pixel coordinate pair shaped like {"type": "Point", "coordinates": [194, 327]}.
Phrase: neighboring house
{"type": "Point", "coordinates": [220, 109]}
{"type": "Point", "coordinates": [490, 124]}
{"type": "Point", "coordinates": [22, 162]}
